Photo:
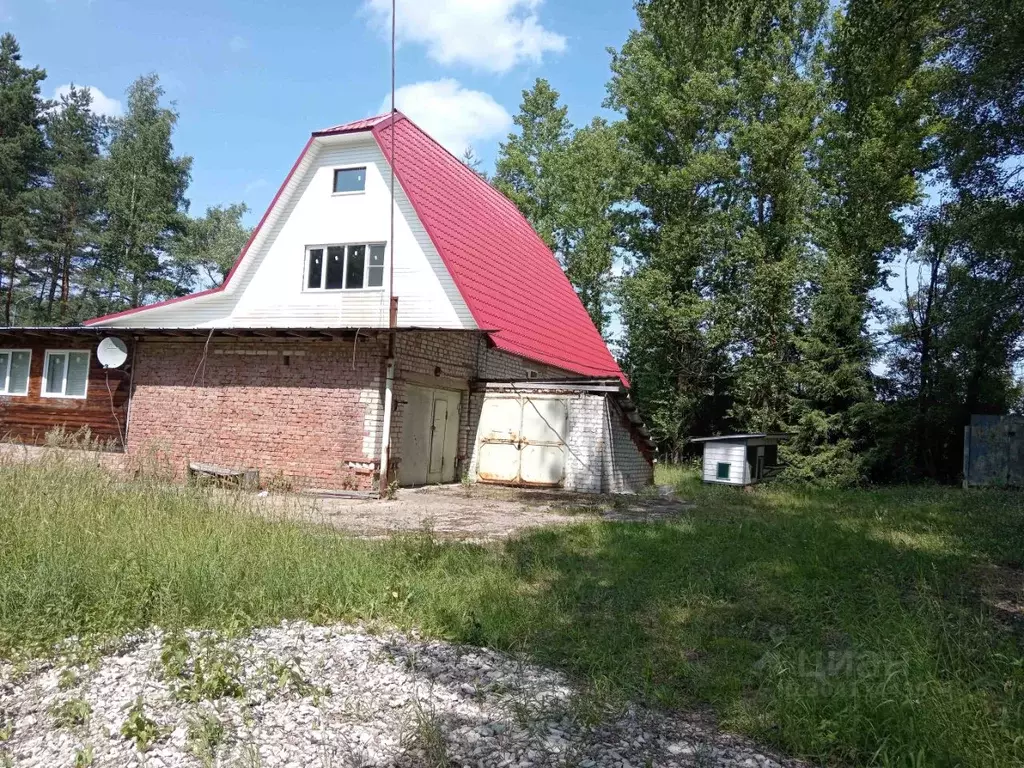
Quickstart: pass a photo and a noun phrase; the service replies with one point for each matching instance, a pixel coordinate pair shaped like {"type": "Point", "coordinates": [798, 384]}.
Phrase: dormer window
{"type": "Point", "coordinates": [349, 181]}
{"type": "Point", "coordinates": [344, 267]}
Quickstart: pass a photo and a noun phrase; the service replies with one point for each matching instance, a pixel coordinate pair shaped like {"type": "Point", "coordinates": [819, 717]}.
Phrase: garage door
{"type": "Point", "coordinates": [520, 440]}
{"type": "Point", "coordinates": [430, 436]}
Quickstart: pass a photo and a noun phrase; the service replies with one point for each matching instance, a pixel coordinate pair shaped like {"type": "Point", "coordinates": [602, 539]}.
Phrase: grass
{"type": "Point", "coordinates": [843, 627]}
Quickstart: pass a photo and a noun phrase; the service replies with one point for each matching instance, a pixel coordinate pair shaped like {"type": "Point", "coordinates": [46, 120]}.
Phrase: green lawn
{"type": "Point", "coordinates": [846, 627]}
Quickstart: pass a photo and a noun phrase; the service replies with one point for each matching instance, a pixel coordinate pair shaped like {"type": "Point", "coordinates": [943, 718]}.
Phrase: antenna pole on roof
{"type": "Point", "coordinates": [383, 476]}
{"type": "Point", "coordinates": [391, 267]}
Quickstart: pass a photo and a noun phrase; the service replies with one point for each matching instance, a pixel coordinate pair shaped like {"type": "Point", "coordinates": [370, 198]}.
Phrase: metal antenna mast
{"type": "Point", "coordinates": [384, 475]}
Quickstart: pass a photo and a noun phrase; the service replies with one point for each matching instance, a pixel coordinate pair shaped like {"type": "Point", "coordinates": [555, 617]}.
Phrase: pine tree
{"type": "Point", "coordinates": [520, 172]}
{"type": "Point", "coordinates": [470, 160]}
{"type": "Point", "coordinates": [590, 181]}
{"type": "Point", "coordinates": [22, 165]}
{"type": "Point", "coordinates": [73, 199]}
{"type": "Point", "coordinates": [874, 152]}
{"type": "Point", "coordinates": [146, 203]}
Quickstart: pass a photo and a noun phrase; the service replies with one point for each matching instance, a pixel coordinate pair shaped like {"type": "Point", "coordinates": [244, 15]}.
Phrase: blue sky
{"type": "Point", "coordinates": [252, 78]}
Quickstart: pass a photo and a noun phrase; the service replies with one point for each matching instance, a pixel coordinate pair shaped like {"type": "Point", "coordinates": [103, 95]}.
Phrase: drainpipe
{"type": "Point", "coordinates": [389, 401]}
{"type": "Point", "coordinates": [385, 451]}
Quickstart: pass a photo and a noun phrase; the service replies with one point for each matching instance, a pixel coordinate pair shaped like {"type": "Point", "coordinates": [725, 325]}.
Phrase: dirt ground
{"type": "Point", "coordinates": [470, 511]}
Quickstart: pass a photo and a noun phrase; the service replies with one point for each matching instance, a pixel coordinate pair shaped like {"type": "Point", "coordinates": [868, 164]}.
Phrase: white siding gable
{"type": "Point", "coordinates": [733, 453]}
{"type": "Point", "coordinates": [268, 289]}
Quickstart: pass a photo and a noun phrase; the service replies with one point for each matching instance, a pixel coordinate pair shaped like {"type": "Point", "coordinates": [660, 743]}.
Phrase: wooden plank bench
{"type": "Point", "coordinates": [246, 479]}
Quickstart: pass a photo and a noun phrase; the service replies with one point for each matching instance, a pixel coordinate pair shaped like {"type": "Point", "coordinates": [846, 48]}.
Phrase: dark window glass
{"type": "Point", "coordinates": [55, 374]}
{"type": "Point", "coordinates": [356, 266]}
{"type": "Point", "coordinates": [335, 268]}
{"type": "Point", "coordinates": [18, 384]}
{"type": "Point", "coordinates": [350, 180]}
{"type": "Point", "coordinates": [78, 374]}
{"type": "Point", "coordinates": [723, 471]}
{"type": "Point", "coordinates": [316, 268]}
{"type": "Point", "coordinates": [375, 276]}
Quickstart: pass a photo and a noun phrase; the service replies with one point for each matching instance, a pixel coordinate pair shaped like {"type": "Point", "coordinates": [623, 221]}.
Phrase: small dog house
{"type": "Point", "coordinates": [740, 459]}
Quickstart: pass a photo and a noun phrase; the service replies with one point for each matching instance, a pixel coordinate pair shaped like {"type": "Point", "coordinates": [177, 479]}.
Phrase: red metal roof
{"type": "Point", "coordinates": [355, 126]}
{"type": "Point", "coordinates": [508, 277]}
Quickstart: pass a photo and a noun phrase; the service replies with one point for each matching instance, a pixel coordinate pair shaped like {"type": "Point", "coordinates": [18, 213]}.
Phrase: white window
{"type": "Point", "coordinates": [14, 367]}
{"type": "Point", "coordinates": [66, 373]}
{"type": "Point", "coordinates": [344, 267]}
{"type": "Point", "coordinates": [348, 181]}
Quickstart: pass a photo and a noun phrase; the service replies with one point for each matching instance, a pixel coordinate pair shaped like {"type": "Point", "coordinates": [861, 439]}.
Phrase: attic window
{"type": "Point", "coordinates": [349, 180]}
{"type": "Point", "coordinates": [344, 267]}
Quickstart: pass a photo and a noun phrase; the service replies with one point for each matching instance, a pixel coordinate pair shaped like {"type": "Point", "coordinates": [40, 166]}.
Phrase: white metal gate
{"type": "Point", "coordinates": [521, 440]}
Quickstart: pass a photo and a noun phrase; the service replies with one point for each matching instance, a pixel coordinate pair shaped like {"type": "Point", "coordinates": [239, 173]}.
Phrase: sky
{"type": "Point", "coordinates": [252, 78]}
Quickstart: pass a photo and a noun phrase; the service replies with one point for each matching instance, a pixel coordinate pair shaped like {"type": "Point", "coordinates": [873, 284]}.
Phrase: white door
{"type": "Point", "coordinates": [521, 440]}
{"type": "Point", "coordinates": [430, 436]}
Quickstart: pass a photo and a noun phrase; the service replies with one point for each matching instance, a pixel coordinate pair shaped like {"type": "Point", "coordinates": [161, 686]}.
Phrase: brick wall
{"type": "Point", "coordinates": [585, 444]}
{"type": "Point", "coordinates": [295, 411]}
{"type": "Point", "coordinates": [628, 467]}
{"type": "Point", "coordinates": [311, 413]}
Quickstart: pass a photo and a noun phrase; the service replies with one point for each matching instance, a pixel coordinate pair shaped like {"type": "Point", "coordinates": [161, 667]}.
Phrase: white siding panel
{"type": "Point", "coordinates": [268, 289]}
{"type": "Point", "coordinates": [733, 453]}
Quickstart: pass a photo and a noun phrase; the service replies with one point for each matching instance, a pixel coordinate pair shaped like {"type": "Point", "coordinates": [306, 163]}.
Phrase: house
{"type": "Point", "coordinates": [438, 343]}
{"type": "Point", "coordinates": [740, 459]}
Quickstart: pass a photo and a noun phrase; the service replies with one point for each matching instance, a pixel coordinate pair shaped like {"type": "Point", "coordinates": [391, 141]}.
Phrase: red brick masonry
{"type": "Point", "coordinates": [291, 410]}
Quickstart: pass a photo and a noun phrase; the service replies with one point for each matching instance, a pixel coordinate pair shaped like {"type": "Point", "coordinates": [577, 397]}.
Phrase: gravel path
{"type": "Point", "coordinates": [299, 695]}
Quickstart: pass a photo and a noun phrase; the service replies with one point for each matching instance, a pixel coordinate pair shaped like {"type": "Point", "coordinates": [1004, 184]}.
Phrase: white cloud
{"type": "Point", "coordinates": [453, 115]}
{"type": "Point", "coordinates": [237, 44]}
{"type": "Point", "coordinates": [102, 104]}
{"type": "Point", "coordinates": [494, 35]}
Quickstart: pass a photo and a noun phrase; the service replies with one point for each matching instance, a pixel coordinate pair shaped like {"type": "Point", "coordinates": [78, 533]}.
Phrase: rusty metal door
{"type": "Point", "coordinates": [522, 440]}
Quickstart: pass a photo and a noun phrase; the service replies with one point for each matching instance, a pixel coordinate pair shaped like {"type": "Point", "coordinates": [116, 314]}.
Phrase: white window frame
{"type": "Point", "coordinates": [5, 375]}
{"type": "Point", "coordinates": [323, 268]}
{"type": "Point", "coordinates": [64, 385]}
{"type": "Point", "coordinates": [355, 167]}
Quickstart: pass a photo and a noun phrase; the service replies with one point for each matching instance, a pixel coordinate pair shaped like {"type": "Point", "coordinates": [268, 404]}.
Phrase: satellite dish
{"type": "Point", "coordinates": [112, 352]}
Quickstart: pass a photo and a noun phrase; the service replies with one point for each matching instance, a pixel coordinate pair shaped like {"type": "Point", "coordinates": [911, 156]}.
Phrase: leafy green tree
{"type": "Point", "coordinates": [145, 207]}
{"type": "Point", "coordinates": [874, 152]}
{"type": "Point", "coordinates": [74, 197]}
{"type": "Point", "coordinates": [720, 105]}
{"type": "Point", "coordinates": [520, 172]}
{"type": "Point", "coordinates": [22, 164]}
{"type": "Point", "coordinates": [207, 248]}
{"type": "Point", "coordinates": [958, 341]}
{"type": "Point", "coordinates": [590, 180]}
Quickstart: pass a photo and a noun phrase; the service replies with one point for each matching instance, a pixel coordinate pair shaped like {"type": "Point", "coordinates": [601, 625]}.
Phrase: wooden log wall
{"type": "Point", "coordinates": [28, 419]}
